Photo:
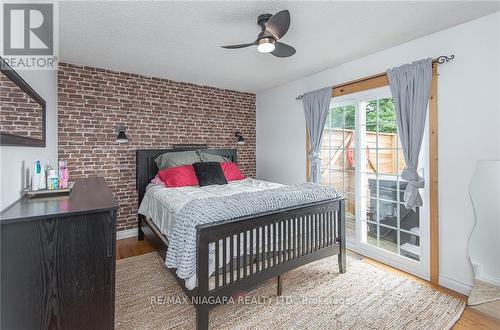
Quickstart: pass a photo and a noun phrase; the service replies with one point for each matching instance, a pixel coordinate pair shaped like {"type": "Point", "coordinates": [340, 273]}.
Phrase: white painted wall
{"type": "Point", "coordinates": [12, 158]}
{"type": "Point", "coordinates": [469, 125]}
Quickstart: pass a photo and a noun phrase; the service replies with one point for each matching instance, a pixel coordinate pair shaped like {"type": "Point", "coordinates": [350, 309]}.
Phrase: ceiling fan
{"type": "Point", "coordinates": [273, 28]}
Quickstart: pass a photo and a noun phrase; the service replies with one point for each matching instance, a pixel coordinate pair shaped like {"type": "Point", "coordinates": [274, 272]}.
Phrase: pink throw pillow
{"type": "Point", "coordinates": [180, 176]}
{"type": "Point", "coordinates": [231, 172]}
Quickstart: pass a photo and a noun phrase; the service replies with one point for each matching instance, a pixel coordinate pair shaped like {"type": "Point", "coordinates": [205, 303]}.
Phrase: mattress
{"type": "Point", "coordinates": [162, 204]}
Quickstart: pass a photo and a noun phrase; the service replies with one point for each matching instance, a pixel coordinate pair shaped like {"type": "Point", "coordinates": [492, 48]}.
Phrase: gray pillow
{"type": "Point", "coordinates": [174, 159]}
{"type": "Point", "coordinates": [206, 157]}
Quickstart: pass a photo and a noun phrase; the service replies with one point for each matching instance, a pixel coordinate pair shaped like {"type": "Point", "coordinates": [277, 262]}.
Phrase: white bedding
{"type": "Point", "coordinates": [162, 204]}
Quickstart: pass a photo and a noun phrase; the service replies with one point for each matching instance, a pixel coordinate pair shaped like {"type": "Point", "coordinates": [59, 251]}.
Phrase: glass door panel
{"type": "Point", "coordinates": [338, 161]}
{"type": "Point", "coordinates": [362, 157]}
{"type": "Point", "coordinates": [381, 183]}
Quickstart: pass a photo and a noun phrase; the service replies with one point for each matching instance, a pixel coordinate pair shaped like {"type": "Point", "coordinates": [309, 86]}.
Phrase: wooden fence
{"type": "Point", "coordinates": [338, 154]}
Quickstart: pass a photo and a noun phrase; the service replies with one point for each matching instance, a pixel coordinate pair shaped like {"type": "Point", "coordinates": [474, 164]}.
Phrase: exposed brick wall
{"type": "Point", "coordinates": [157, 113]}
{"type": "Point", "coordinates": [19, 113]}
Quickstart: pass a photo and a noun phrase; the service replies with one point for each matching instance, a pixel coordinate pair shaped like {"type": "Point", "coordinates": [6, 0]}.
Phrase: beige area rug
{"type": "Point", "coordinates": [314, 296]}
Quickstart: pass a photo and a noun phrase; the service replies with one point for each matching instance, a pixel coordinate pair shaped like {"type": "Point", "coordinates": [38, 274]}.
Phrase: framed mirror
{"type": "Point", "coordinates": [22, 111]}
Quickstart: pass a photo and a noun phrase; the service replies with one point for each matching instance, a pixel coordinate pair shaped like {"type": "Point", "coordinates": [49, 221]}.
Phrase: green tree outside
{"type": "Point", "coordinates": [386, 116]}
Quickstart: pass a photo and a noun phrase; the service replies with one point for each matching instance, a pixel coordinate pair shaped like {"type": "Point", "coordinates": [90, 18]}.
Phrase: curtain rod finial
{"type": "Point", "coordinates": [443, 58]}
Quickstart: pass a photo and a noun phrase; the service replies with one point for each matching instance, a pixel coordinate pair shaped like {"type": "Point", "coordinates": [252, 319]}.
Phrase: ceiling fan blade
{"type": "Point", "coordinates": [278, 24]}
{"type": "Point", "coordinates": [283, 50]}
{"type": "Point", "coordinates": [240, 46]}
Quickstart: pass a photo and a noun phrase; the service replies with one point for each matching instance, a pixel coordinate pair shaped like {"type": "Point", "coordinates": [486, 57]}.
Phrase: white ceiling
{"type": "Point", "coordinates": [180, 40]}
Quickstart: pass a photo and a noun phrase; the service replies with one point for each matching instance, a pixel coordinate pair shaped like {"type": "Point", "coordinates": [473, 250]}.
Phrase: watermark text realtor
{"type": "Point", "coordinates": [30, 35]}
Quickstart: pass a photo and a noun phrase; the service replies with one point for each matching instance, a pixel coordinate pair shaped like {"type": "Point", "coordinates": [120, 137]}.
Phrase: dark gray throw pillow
{"type": "Point", "coordinates": [206, 157]}
{"type": "Point", "coordinates": [176, 158]}
{"type": "Point", "coordinates": [209, 173]}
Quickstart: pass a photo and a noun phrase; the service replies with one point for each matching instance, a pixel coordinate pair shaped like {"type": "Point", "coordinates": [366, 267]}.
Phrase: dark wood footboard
{"type": "Point", "coordinates": [283, 241]}
{"type": "Point", "coordinates": [253, 249]}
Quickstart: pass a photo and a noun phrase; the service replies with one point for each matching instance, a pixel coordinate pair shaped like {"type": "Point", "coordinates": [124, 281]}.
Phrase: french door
{"type": "Point", "coordinates": [363, 158]}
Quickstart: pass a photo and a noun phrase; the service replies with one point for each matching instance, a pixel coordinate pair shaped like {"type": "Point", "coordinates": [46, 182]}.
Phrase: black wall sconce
{"type": "Point", "coordinates": [122, 137]}
{"type": "Point", "coordinates": [240, 138]}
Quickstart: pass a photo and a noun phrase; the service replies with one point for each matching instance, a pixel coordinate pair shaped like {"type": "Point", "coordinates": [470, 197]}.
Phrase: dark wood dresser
{"type": "Point", "coordinates": [58, 260]}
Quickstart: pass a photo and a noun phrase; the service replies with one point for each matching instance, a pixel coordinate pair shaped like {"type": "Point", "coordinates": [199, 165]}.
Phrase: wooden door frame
{"type": "Point", "coordinates": [381, 80]}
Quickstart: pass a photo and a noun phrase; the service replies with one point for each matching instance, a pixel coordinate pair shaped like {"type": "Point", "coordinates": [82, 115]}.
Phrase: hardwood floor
{"type": "Point", "coordinates": [471, 319]}
{"type": "Point", "coordinates": [131, 247]}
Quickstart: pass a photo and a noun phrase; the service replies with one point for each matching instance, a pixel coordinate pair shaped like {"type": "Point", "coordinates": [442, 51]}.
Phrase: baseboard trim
{"type": "Point", "coordinates": [493, 280]}
{"type": "Point", "coordinates": [444, 281]}
{"type": "Point", "coordinates": [455, 285]}
{"type": "Point", "coordinates": [122, 234]}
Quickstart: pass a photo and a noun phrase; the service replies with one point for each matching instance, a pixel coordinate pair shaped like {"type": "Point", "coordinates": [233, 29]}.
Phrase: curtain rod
{"type": "Point", "coordinates": [439, 60]}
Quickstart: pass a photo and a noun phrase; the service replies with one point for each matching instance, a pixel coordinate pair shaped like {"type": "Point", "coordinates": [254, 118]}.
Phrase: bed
{"type": "Point", "coordinates": [236, 255]}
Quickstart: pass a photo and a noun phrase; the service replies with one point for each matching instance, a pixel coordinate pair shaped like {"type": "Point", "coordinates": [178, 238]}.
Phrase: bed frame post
{"type": "Point", "coordinates": [202, 311]}
{"type": "Point", "coordinates": [202, 303]}
{"type": "Point", "coordinates": [342, 254]}
{"type": "Point", "coordinates": [140, 233]}
{"type": "Point", "coordinates": [279, 285]}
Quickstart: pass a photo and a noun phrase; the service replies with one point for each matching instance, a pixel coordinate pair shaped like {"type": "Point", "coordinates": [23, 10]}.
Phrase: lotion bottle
{"type": "Point", "coordinates": [52, 180]}
{"type": "Point", "coordinates": [48, 167]}
{"type": "Point", "coordinates": [35, 179]}
{"type": "Point", "coordinates": [42, 182]}
{"type": "Point", "coordinates": [63, 174]}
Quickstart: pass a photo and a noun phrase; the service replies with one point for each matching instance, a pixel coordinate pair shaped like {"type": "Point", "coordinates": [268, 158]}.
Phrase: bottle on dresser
{"type": "Point", "coordinates": [35, 179]}
{"type": "Point", "coordinates": [48, 167]}
{"type": "Point", "coordinates": [42, 182]}
{"type": "Point", "coordinates": [63, 174]}
{"type": "Point", "coordinates": [52, 180]}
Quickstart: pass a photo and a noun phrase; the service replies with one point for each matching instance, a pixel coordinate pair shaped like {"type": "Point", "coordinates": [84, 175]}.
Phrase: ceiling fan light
{"type": "Point", "coordinates": [266, 45]}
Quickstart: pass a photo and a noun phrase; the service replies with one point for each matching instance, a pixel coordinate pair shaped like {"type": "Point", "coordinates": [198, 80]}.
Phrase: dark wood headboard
{"type": "Point", "coordinates": [146, 168]}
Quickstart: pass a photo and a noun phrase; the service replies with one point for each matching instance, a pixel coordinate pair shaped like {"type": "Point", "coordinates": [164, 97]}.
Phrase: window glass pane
{"type": "Point", "coordinates": [370, 141]}
{"type": "Point", "coordinates": [326, 178]}
{"type": "Point", "coordinates": [370, 157]}
{"type": "Point", "coordinates": [349, 138]}
{"type": "Point", "coordinates": [409, 219]}
{"type": "Point", "coordinates": [370, 183]}
{"type": "Point", "coordinates": [388, 213]}
{"type": "Point", "coordinates": [410, 246]}
{"type": "Point", "coordinates": [370, 212]}
{"type": "Point", "coordinates": [349, 117]}
{"type": "Point", "coordinates": [371, 233]}
{"type": "Point", "coordinates": [336, 161]}
{"type": "Point", "coordinates": [386, 116]}
{"type": "Point", "coordinates": [349, 182]}
{"type": "Point", "coordinates": [325, 153]}
{"type": "Point", "coordinates": [350, 202]}
{"type": "Point", "coordinates": [399, 142]}
{"type": "Point", "coordinates": [337, 180]}
{"type": "Point", "coordinates": [350, 225]}
{"type": "Point", "coordinates": [402, 188]}
{"type": "Point", "coordinates": [401, 163]}
{"type": "Point", "coordinates": [387, 188]}
{"type": "Point", "coordinates": [350, 214]}
{"type": "Point", "coordinates": [336, 138]}
{"type": "Point", "coordinates": [388, 238]}
{"type": "Point", "coordinates": [371, 116]}
{"type": "Point", "coordinates": [387, 161]}
{"type": "Point", "coordinates": [335, 118]}
{"type": "Point", "coordinates": [350, 161]}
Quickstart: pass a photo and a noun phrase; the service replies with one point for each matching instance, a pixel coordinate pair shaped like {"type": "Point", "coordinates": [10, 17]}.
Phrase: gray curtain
{"type": "Point", "coordinates": [316, 106]}
{"type": "Point", "coordinates": [410, 86]}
